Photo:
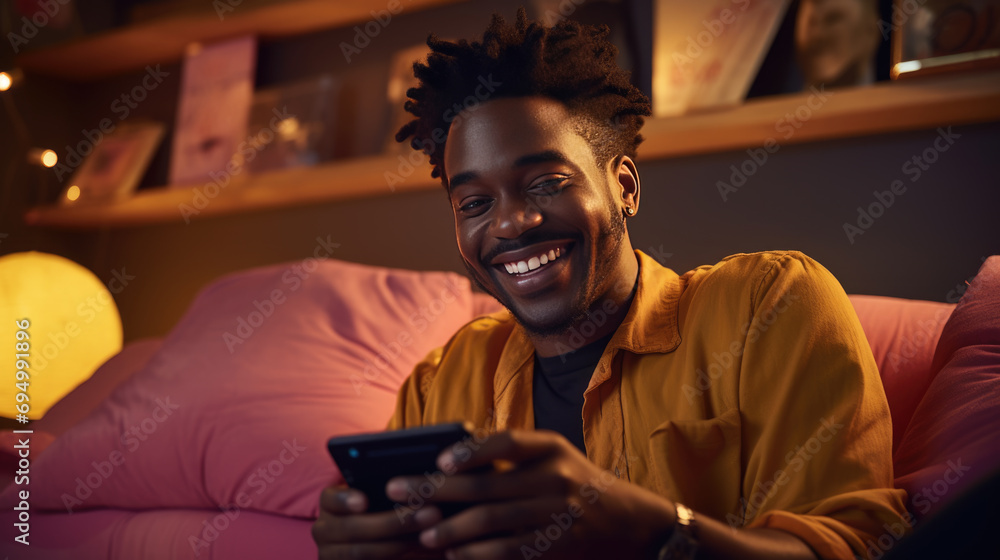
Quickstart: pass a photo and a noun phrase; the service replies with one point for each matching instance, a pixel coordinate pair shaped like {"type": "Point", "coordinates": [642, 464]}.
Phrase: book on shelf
{"type": "Point", "coordinates": [215, 97]}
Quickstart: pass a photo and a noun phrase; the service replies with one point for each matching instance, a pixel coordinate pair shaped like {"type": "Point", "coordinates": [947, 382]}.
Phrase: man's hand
{"type": "Point", "coordinates": [344, 530]}
{"type": "Point", "coordinates": [553, 501]}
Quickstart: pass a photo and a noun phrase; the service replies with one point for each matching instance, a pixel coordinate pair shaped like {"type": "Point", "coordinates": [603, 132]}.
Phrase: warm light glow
{"type": "Point", "coordinates": [288, 127]}
{"type": "Point", "coordinates": [73, 327]}
{"type": "Point", "coordinates": [5, 81]}
{"type": "Point", "coordinates": [73, 192]}
{"type": "Point", "coordinates": [49, 158]}
{"type": "Point", "coordinates": [906, 67]}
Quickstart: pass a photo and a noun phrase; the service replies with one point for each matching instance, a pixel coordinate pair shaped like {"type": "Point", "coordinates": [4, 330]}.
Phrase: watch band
{"type": "Point", "coordinates": [683, 543]}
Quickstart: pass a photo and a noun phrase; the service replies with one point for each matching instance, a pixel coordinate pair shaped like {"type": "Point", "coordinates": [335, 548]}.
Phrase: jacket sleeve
{"type": "Point", "coordinates": [817, 433]}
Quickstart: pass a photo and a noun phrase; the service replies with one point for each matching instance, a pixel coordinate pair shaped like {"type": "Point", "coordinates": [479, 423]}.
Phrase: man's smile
{"type": "Point", "coordinates": [530, 269]}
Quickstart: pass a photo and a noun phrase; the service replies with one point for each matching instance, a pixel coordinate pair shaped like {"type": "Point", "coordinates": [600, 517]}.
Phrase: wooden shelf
{"type": "Point", "coordinates": [163, 40]}
{"type": "Point", "coordinates": [889, 107]}
{"type": "Point", "coordinates": [912, 104]}
{"type": "Point", "coordinates": [356, 178]}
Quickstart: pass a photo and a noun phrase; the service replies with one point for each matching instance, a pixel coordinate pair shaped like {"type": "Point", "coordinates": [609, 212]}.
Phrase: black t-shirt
{"type": "Point", "coordinates": [558, 386]}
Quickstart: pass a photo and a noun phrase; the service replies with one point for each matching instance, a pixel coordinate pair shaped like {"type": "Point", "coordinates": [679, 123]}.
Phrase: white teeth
{"type": "Point", "coordinates": [533, 263]}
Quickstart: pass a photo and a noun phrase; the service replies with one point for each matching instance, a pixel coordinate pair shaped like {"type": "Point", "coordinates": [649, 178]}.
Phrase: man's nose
{"type": "Point", "coordinates": [516, 217]}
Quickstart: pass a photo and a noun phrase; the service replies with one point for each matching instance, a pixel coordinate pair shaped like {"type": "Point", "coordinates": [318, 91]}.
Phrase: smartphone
{"type": "Point", "coordinates": [368, 461]}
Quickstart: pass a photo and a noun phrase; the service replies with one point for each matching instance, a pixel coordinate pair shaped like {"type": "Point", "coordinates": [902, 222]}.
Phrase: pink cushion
{"type": "Point", "coordinates": [76, 405]}
{"type": "Point", "coordinates": [954, 436]}
{"type": "Point", "coordinates": [165, 534]}
{"type": "Point", "coordinates": [237, 405]}
{"type": "Point", "coordinates": [903, 334]}
{"type": "Point", "coordinates": [88, 395]}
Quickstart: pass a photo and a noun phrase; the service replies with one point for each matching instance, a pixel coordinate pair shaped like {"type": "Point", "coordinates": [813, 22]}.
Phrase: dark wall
{"type": "Point", "coordinates": [929, 241]}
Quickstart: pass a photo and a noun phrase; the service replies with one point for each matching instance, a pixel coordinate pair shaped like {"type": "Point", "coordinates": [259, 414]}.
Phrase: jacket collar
{"type": "Point", "coordinates": [651, 324]}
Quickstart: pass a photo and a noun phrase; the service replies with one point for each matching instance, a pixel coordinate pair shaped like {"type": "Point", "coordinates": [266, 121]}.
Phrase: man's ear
{"type": "Point", "coordinates": [627, 185]}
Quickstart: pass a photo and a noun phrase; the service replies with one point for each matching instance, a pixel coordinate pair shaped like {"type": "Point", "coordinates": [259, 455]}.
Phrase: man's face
{"type": "Point", "coordinates": [525, 188]}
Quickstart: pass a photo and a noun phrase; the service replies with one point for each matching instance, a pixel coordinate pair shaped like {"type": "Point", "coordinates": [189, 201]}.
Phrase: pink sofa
{"type": "Point", "coordinates": [208, 444]}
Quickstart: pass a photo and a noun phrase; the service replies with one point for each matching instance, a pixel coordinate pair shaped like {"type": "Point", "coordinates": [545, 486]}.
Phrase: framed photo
{"type": "Point", "coordinates": [114, 168]}
{"type": "Point", "coordinates": [707, 53]}
{"type": "Point", "coordinates": [944, 36]}
{"type": "Point", "coordinates": [33, 24]}
{"type": "Point", "coordinates": [292, 125]}
{"type": "Point", "coordinates": [213, 110]}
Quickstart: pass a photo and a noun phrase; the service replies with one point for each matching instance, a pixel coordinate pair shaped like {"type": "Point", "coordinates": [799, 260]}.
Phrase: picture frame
{"type": "Point", "coordinates": [115, 166]}
{"type": "Point", "coordinates": [292, 125]}
{"type": "Point", "coordinates": [706, 55]}
{"type": "Point", "coordinates": [213, 109]}
{"type": "Point", "coordinates": [941, 36]}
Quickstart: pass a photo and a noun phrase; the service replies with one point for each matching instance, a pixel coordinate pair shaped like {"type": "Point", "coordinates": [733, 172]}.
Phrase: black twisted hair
{"type": "Point", "coordinates": [569, 62]}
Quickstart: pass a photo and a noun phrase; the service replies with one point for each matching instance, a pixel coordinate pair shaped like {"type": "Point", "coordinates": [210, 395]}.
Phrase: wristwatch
{"type": "Point", "coordinates": [682, 544]}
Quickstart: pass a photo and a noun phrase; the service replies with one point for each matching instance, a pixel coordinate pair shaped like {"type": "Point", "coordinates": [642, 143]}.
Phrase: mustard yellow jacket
{"type": "Point", "coordinates": [745, 390]}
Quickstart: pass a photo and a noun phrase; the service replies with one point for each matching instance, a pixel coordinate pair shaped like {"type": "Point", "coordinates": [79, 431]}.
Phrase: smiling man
{"type": "Point", "coordinates": [632, 412]}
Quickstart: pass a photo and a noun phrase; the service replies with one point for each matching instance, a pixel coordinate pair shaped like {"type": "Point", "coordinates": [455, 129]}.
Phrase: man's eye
{"type": "Point", "coordinates": [550, 187]}
{"type": "Point", "coordinates": [473, 205]}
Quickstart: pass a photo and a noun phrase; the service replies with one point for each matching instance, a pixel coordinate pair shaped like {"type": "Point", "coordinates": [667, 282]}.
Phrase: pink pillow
{"type": "Point", "coordinates": [75, 406]}
{"type": "Point", "coordinates": [163, 534]}
{"type": "Point", "coordinates": [903, 334]}
{"type": "Point", "coordinates": [235, 408]}
{"type": "Point", "coordinates": [954, 437]}
{"type": "Point", "coordinates": [88, 395]}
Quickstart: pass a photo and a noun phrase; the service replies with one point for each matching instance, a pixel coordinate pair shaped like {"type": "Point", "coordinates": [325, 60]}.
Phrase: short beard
{"type": "Point", "coordinates": [612, 235]}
